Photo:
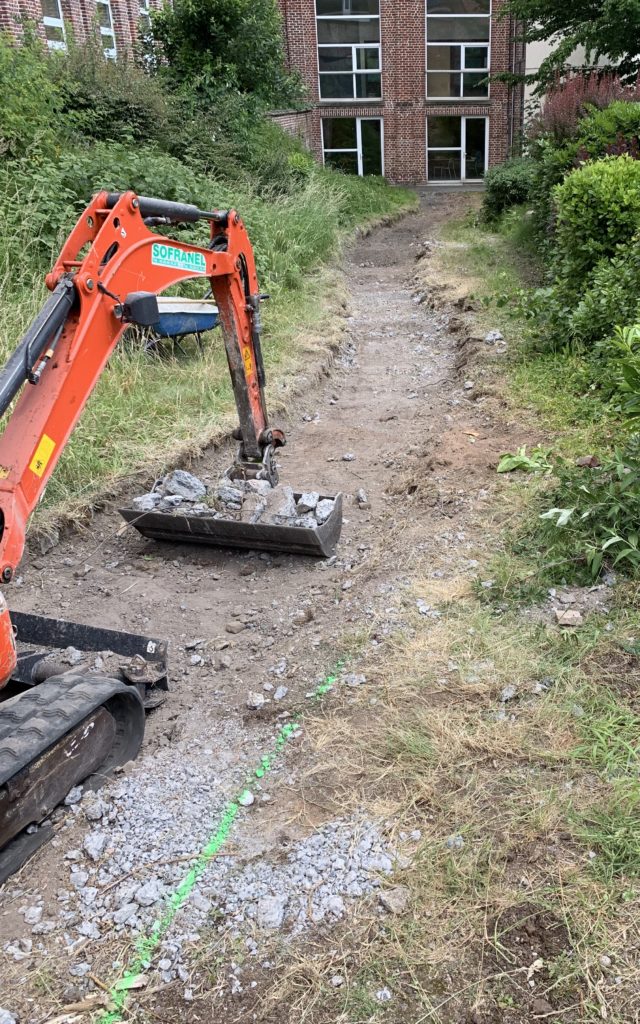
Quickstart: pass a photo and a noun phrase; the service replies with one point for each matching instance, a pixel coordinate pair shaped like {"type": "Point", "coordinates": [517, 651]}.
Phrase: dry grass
{"type": "Point", "coordinates": [437, 757]}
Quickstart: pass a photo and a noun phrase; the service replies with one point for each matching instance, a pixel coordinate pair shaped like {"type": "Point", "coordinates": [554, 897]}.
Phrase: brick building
{"type": "Point", "coordinates": [116, 22]}
{"type": "Point", "coordinates": [402, 87]}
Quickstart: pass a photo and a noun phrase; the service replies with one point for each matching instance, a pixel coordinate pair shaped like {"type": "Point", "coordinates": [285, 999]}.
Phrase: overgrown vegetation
{"type": "Point", "coordinates": [75, 123]}
{"type": "Point", "coordinates": [579, 326]}
{"type": "Point", "coordinates": [509, 184]}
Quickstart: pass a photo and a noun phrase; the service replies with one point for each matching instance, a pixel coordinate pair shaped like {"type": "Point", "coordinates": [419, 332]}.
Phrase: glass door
{"type": "Point", "coordinates": [475, 147]}
{"type": "Point", "coordinates": [353, 144]}
{"type": "Point", "coordinates": [456, 149]}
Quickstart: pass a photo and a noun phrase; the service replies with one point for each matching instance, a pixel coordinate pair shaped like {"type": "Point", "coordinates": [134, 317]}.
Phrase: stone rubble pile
{"type": "Point", "coordinates": [248, 501]}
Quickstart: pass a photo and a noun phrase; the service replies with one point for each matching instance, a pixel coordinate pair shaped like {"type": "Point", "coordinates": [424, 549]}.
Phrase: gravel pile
{"type": "Point", "coordinates": [249, 501]}
{"type": "Point", "coordinates": [144, 835]}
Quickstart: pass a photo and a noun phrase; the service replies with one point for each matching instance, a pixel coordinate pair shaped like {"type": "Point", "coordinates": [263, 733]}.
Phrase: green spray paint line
{"type": "Point", "coordinates": [148, 944]}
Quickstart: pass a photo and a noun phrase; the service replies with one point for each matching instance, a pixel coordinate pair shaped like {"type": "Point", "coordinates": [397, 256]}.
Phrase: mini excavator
{"type": "Point", "coordinates": [62, 726]}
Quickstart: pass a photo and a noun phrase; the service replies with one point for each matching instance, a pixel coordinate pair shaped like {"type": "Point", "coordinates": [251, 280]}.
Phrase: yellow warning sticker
{"type": "Point", "coordinates": [247, 359]}
{"type": "Point", "coordinates": [42, 455]}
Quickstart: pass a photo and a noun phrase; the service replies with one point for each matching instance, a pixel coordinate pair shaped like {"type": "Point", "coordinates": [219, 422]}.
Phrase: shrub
{"type": "Point", "coordinates": [612, 297]}
{"type": "Point", "coordinates": [611, 131]}
{"type": "Point", "coordinates": [571, 99]}
{"type": "Point", "coordinates": [108, 100]}
{"type": "Point", "coordinates": [30, 103]}
{"type": "Point", "coordinates": [598, 522]}
{"type": "Point", "coordinates": [623, 353]}
{"type": "Point", "coordinates": [507, 185]}
{"type": "Point", "coordinates": [598, 209]}
{"type": "Point", "coordinates": [234, 43]}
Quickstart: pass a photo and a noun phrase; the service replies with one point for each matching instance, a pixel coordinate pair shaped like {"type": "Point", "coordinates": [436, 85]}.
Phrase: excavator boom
{"type": "Point", "coordinates": [73, 724]}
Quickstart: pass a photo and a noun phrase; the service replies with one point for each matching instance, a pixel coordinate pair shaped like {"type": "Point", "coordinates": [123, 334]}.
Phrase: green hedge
{"type": "Point", "coordinates": [611, 298]}
{"type": "Point", "coordinates": [598, 209]}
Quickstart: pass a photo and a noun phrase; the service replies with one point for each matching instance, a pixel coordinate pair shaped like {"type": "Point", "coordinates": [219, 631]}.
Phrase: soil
{"type": "Point", "coordinates": [426, 443]}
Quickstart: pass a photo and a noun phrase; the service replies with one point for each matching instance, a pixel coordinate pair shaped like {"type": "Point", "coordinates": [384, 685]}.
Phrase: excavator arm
{"type": "Point", "coordinates": [72, 725]}
{"type": "Point", "coordinates": [95, 297]}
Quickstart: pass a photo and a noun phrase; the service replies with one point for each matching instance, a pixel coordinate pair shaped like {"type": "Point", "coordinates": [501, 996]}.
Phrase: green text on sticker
{"type": "Point", "coordinates": [163, 255]}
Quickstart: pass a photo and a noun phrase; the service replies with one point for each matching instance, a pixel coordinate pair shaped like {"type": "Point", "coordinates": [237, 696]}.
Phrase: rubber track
{"type": "Point", "coordinates": [34, 721]}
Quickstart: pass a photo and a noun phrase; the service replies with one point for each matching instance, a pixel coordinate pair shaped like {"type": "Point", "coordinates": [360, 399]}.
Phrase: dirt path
{"type": "Point", "coordinates": [422, 453]}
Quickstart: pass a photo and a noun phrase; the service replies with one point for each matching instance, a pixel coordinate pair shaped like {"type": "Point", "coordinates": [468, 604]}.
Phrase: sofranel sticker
{"type": "Point", "coordinates": [42, 455]}
{"type": "Point", "coordinates": [163, 255]}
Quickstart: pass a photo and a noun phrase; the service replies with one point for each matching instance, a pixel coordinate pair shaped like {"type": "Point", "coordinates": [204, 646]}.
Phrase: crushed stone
{"type": "Point", "coordinates": [251, 501]}
{"type": "Point", "coordinates": [158, 827]}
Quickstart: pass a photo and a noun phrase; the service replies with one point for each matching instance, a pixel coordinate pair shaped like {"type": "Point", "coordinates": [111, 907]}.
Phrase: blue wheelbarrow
{"type": "Point", "coordinates": [180, 317]}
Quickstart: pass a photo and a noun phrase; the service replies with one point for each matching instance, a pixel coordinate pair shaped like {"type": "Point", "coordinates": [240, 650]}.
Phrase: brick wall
{"type": "Point", "coordinates": [298, 123]}
{"type": "Point", "coordinates": [404, 108]}
{"type": "Point", "coordinates": [14, 13]}
{"type": "Point", "coordinates": [79, 17]}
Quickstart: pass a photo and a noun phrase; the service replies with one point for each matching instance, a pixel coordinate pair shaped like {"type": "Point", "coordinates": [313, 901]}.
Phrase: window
{"type": "Point", "coordinates": [456, 148]}
{"type": "Point", "coordinates": [458, 33]}
{"type": "Point", "coordinates": [105, 22]}
{"type": "Point", "coordinates": [53, 25]}
{"type": "Point", "coordinates": [353, 144]}
{"type": "Point", "coordinates": [145, 17]}
{"type": "Point", "coordinates": [349, 49]}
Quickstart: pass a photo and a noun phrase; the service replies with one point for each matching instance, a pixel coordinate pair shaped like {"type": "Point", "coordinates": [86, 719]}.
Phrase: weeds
{"type": "Point", "coordinates": [612, 830]}
{"type": "Point", "coordinates": [609, 735]}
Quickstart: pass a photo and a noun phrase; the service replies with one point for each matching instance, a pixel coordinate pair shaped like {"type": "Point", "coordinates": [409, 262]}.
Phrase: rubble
{"type": "Point", "coordinates": [250, 501]}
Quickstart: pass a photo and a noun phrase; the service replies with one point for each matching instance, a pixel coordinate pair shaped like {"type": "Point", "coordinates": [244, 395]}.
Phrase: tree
{"type": "Point", "coordinates": [608, 29]}
{"type": "Point", "coordinates": [232, 44]}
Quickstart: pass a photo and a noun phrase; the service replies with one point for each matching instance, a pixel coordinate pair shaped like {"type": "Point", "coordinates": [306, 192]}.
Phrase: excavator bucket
{"type": "Point", "coordinates": [215, 531]}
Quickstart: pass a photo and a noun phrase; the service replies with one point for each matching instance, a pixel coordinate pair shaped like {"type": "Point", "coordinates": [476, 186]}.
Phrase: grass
{"type": "Point", "coordinates": [147, 414]}
{"type": "Point", "coordinates": [547, 837]}
{"type": "Point", "coordinates": [499, 265]}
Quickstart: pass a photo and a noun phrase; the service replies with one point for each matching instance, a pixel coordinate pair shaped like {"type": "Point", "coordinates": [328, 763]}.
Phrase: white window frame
{"type": "Point", "coordinates": [347, 16]}
{"type": "Point", "coordinates": [463, 45]}
{"type": "Point", "coordinates": [358, 150]}
{"type": "Point", "coordinates": [464, 70]}
{"type": "Point", "coordinates": [48, 22]}
{"type": "Point", "coordinates": [355, 71]}
{"type": "Point", "coordinates": [462, 148]}
{"type": "Point", "coordinates": [110, 52]}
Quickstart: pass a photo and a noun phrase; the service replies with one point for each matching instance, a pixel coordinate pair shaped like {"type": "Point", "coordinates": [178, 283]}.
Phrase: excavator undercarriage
{"type": "Point", "coordinates": [73, 697]}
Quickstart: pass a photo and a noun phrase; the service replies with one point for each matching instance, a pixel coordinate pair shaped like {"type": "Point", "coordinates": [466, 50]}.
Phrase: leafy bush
{"type": "Point", "coordinates": [30, 103]}
{"type": "Point", "coordinates": [623, 351]}
{"type": "Point", "coordinates": [612, 297]}
{"type": "Point", "coordinates": [592, 133]}
{"type": "Point", "coordinates": [616, 127]}
{"type": "Point", "coordinates": [507, 185]}
{"type": "Point", "coordinates": [237, 44]}
{"type": "Point", "coordinates": [571, 99]}
{"type": "Point", "coordinates": [598, 209]}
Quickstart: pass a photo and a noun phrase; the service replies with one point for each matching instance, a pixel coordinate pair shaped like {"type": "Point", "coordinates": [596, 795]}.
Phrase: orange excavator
{"type": "Point", "coordinates": [62, 725]}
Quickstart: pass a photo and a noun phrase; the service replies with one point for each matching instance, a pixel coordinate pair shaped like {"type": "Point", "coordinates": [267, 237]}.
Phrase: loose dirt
{"type": "Point", "coordinates": [426, 443]}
